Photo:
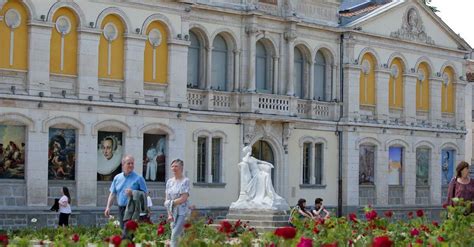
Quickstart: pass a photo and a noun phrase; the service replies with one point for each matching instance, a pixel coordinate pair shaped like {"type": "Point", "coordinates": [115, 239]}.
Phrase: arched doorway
{"type": "Point", "coordinates": [263, 151]}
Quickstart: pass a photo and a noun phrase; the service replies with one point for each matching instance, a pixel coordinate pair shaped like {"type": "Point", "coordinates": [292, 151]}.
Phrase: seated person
{"type": "Point", "coordinates": [299, 211]}
{"type": "Point", "coordinates": [319, 212]}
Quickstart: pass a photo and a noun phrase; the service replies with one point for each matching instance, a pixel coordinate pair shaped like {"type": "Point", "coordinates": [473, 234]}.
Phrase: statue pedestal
{"type": "Point", "coordinates": [261, 220]}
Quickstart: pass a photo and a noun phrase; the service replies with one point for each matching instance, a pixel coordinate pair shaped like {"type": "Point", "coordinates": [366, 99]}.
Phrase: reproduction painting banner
{"type": "Point", "coordinates": [366, 164]}
{"type": "Point", "coordinates": [109, 155]}
{"type": "Point", "coordinates": [12, 152]}
{"type": "Point", "coordinates": [154, 157]}
{"type": "Point", "coordinates": [395, 163]}
{"type": "Point", "coordinates": [61, 154]}
{"type": "Point", "coordinates": [447, 166]}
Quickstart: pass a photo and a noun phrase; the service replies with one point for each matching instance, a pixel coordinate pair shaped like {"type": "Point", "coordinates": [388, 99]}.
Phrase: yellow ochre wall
{"type": "Point", "coordinates": [161, 51]}
{"type": "Point", "coordinates": [398, 101]}
{"type": "Point", "coordinates": [369, 79]}
{"type": "Point", "coordinates": [423, 102]}
{"type": "Point", "coordinates": [70, 45]}
{"type": "Point", "coordinates": [20, 51]}
{"type": "Point", "coordinates": [448, 106]}
{"type": "Point", "coordinates": [117, 50]}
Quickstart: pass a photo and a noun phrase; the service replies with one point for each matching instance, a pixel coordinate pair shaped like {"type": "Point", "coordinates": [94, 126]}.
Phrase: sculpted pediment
{"type": "Point", "coordinates": [412, 28]}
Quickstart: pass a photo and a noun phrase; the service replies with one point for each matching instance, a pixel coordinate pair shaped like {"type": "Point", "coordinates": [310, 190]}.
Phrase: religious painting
{"type": "Point", "coordinates": [366, 164]}
{"type": "Point", "coordinates": [447, 166]}
{"type": "Point", "coordinates": [12, 152]}
{"type": "Point", "coordinates": [109, 155]}
{"type": "Point", "coordinates": [154, 157]}
{"type": "Point", "coordinates": [395, 165]}
{"type": "Point", "coordinates": [422, 166]}
{"type": "Point", "coordinates": [61, 154]}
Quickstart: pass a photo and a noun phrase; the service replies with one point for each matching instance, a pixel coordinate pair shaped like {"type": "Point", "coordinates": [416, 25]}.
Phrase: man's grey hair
{"type": "Point", "coordinates": [128, 157]}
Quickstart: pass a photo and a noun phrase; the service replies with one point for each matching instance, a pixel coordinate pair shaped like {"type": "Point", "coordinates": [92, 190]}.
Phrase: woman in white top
{"type": "Point", "coordinates": [64, 207]}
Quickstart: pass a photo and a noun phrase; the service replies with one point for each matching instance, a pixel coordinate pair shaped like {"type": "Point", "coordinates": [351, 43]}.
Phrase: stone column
{"type": "Point", "coordinates": [409, 98]}
{"type": "Point", "coordinates": [311, 163]}
{"type": "Point", "coordinates": [86, 164]}
{"type": "Point", "coordinates": [178, 55]}
{"type": "Point", "coordinates": [409, 177]}
{"type": "Point", "coordinates": [39, 39]}
{"type": "Point", "coordinates": [290, 37]}
{"type": "Point", "coordinates": [176, 149]}
{"type": "Point", "coordinates": [351, 92]}
{"type": "Point", "coordinates": [36, 168]}
{"type": "Point", "coordinates": [460, 104]}
{"type": "Point", "coordinates": [276, 83]}
{"type": "Point", "coordinates": [208, 82]}
{"type": "Point", "coordinates": [435, 177]}
{"type": "Point", "coordinates": [252, 32]}
{"type": "Point", "coordinates": [237, 85]}
{"type": "Point", "coordinates": [382, 89]}
{"type": "Point", "coordinates": [381, 176]}
{"type": "Point", "coordinates": [311, 80]}
{"type": "Point", "coordinates": [435, 101]}
{"type": "Point", "coordinates": [134, 62]}
{"type": "Point", "coordinates": [134, 143]}
{"type": "Point", "coordinates": [350, 170]}
{"type": "Point", "coordinates": [87, 63]}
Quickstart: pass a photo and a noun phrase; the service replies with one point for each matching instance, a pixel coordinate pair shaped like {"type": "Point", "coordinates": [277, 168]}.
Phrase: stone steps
{"type": "Point", "coordinates": [261, 220]}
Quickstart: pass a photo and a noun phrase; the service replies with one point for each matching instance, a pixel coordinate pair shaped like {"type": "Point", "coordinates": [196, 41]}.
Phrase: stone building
{"type": "Point", "coordinates": [359, 102]}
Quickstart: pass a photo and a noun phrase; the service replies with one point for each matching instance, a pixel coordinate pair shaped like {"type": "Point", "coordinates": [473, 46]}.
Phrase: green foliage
{"type": "Point", "coordinates": [433, 8]}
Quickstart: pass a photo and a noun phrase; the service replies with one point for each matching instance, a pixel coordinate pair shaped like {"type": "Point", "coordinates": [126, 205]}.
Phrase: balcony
{"type": "Point", "coordinates": [259, 103]}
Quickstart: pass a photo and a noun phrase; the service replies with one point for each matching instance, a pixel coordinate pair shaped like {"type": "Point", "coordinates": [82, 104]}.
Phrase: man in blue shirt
{"type": "Point", "coordinates": [123, 185]}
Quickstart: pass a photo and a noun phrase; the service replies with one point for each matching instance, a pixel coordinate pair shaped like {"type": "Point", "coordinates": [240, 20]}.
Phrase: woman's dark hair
{"type": "Point", "coordinates": [318, 200]}
{"type": "Point", "coordinates": [66, 193]}
{"type": "Point", "coordinates": [300, 205]}
{"type": "Point", "coordinates": [460, 167]}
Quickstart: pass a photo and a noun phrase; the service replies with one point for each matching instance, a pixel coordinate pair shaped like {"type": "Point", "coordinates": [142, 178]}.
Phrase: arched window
{"type": "Point", "coordinates": [111, 48]}
{"type": "Point", "coordinates": [395, 90]}
{"type": "Point", "coordinates": [263, 151]}
{"type": "Point", "coordinates": [63, 51]}
{"type": "Point", "coordinates": [423, 166]}
{"type": "Point", "coordinates": [261, 69]}
{"type": "Point", "coordinates": [14, 36]}
{"type": "Point", "coordinates": [194, 58]}
{"type": "Point", "coordinates": [367, 164]}
{"type": "Point", "coordinates": [367, 80]}
{"type": "Point", "coordinates": [448, 91]}
{"type": "Point", "coordinates": [320, 77]}
{"type": "Point", "coordinates": [219, 64]}
{"type": "Point", "coordinates": [423, 88]}
{"type": "Point", "coordinates": [156, 54]}
{"type": "Point", "coordinates": [298, 75]}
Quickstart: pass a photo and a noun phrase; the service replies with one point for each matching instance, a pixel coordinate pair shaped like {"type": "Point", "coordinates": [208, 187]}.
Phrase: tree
{"type": "Point", "coordinates": [433, 8]}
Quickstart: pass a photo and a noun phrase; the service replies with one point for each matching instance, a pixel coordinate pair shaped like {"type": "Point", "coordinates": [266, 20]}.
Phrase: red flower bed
{"type": "Point", "coordinates": [286, 232]}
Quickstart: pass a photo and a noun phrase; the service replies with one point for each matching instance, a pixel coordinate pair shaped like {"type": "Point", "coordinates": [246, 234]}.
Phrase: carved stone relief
{"type": "Point", "coordinates": [412, 28]}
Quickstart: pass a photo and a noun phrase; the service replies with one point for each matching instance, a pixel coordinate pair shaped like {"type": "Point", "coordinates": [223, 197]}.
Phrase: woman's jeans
{"type": "Point", "coordinates": [177, 229]}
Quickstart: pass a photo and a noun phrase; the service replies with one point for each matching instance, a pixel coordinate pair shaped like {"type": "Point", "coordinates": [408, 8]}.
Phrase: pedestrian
{"type": "Point", "coordinates": [122, 186]}
{"type": "Point", "coordinates": [176, 200]}
{"type": "Point", "coordinates": [461, 186]}
{"type": "Point", "coordinates": [64, 207]}
{"type": "Point", "coordinates": [319, 211]}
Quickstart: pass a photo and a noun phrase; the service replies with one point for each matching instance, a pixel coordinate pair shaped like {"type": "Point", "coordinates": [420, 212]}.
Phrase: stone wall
{"type": "Point", "coordinates": [12, 193]}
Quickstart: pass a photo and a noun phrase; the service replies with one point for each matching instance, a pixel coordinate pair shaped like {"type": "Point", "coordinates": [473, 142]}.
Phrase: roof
{"type": "Point", "coordinates": [351, 10]}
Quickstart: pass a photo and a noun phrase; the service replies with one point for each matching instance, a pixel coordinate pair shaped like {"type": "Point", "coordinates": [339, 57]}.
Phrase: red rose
{"type": "Point", "coordinates": [225, 227]}
{"type": "Point", "coordinates": [3, 239]}
{"type": "Point", "coordinates": [116, 240]}
{"type": "Point", "coordinates": [315, 230]}
{"type": "Point", "coordinates": [420, 213]}
{"type": "Point", "coordinates": [107, 239]}
{"type": "Point", "coordinates": [131, 225]}
{"type": "Point", "coordinates": [440, 239]}
{"type": "Point", "coordinates": [445, 205]}
{"type": "Point", "coordinates": [419, 241]}
{"type": "Point", "coordinates": [353, 217]}
{"type": "Point", "coordinates": [131, 245]}
{"type": "Point", "coordinates": [410, 215]}
{"type": "Point", "coordinates": [187, 225]}
{"type": "Point", "coordinates": [388, 214]}
{"type": "Point", "coordinates": [382, 241]}
{"type": "Point", "coordinates": [270, 245]}
{"type": "Point", "coordinates": [414, 232]}
{"type": "Point", "coordinates": [237, 224]}
{"type": "Point", "coordinates": [435, 223]}
{"type": "Point", "coordinates": [305, 242]}
{"type": "Point", "coordinates": [75, 238]}
{"type": "Point", "coordinates": [160, 230]}
{"type": "Point", "coordinates": [371, 215]}
{"type": "Point", "coordinates": [286, 232]}
{"type": "Point", "coordinates": [330, 245]}
{"type": "Point", "coordinates": [210, 221]}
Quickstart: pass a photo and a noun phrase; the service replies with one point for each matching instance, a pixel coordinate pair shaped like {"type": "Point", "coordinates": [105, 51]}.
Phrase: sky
{"type": "Point", "coordinates": [458, 15]}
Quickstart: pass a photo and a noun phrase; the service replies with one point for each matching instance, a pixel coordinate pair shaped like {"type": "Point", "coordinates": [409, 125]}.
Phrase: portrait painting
{"type": "Point", "coordinates": [109, 155]}
{"type": "Point", "coordinates": [61, 154]}
{"type": "Point", "coordinates": [12, 152]}
{"type": "Point", "coordinates": [154, 157]}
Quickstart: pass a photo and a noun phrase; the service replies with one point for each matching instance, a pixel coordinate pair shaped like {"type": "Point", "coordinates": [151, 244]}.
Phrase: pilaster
{"type": "Point", "coordinates": [39, 34]}
{"type": "Point", "coordinates": [134, 45]}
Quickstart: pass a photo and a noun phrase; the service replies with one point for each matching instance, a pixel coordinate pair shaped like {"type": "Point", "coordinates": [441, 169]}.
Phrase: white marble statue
{"type": "Point", "coordinates": [256, 189]}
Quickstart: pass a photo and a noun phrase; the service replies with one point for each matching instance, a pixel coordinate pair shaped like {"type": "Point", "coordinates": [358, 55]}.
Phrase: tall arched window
{"type": "Point", "coordinates": [448, 91]}
{"type": "Point", "coordinates": [14, 36]}
{"type": "Point", "coordinates": [320, 77]}
{"type": "Point", "coordinates": [298, 73]}
{"type": "Point", "coordinates": [194, 58]}
{"type": "Point", "coordinates": [263, 151]}
{"type": "Point", "coordinates": [261, 69]}
{"type": "Point", "coordinates": [395, 90]}
{"type": "Point", "coordinates": [111, 48]}
{"type": "Point", "coordinates": [219, 64]}
{"type": "Point", "coordinates": [423, 88]}
{"type": "Point", "coordinates": [367, 80]}
{"type": "Point", "coordinates": [63, 51]}
{"type": "Point", "coordinates": [156, 54]}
